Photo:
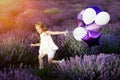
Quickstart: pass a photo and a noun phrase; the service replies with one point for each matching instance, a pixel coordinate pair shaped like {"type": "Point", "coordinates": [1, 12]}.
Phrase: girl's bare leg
{"type": "Point", "coordinates": [40, 57]}
{"type": "Point", "coordinates": [50, 60]}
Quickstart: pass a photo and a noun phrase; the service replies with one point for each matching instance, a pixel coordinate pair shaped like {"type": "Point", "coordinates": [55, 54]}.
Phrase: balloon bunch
{"type": "Point", "coordinates": [90, 22]}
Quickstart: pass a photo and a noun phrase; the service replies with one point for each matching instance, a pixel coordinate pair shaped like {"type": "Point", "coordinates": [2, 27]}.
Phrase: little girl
{"type": "Point", "coordinates": [47, 45]}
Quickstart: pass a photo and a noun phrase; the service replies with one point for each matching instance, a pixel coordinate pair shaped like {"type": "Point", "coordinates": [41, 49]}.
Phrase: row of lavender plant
{"type": "Point", "coordinates": [17, 74]}
{"type": "Point", "coordinates": [91, 67]}
{"type": "Point", "coordinates": [15, 47]}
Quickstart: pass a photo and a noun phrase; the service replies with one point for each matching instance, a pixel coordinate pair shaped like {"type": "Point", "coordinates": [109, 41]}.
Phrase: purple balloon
{"type": "Point", "coordinates": [96, 8]}
{"type": "Point", "coordinates": [92, 38]}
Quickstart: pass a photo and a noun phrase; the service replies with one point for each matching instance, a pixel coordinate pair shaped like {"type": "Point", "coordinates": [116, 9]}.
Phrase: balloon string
{"type": "Point", "coordinates": [70, 31]}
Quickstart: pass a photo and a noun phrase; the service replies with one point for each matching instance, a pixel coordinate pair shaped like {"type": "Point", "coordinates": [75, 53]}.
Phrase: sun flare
{"type": "Point", "coordinates": [10, 10]}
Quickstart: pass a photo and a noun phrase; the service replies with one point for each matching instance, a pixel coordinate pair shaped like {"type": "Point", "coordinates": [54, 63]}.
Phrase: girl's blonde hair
{"type": "Point", "coordinates": [42, 26]}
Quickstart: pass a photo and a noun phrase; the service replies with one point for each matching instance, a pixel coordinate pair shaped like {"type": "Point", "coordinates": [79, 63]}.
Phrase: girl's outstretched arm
{"type": "Point", "coordinates": [56, 32]}
{"type": "Point", "coordinates": [37, 44]}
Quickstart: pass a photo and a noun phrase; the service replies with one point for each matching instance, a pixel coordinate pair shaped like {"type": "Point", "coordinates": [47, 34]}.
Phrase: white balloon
{"type": "Point", "coordinates": [79, 33]}
{"type": "Point", "coordinates": [89, 15]}
{"type": "Point", "coordinates": [102, 18]}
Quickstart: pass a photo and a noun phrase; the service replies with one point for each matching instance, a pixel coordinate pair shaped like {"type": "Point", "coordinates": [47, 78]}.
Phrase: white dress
{"type": "Point", "coordinates": [47, 45]}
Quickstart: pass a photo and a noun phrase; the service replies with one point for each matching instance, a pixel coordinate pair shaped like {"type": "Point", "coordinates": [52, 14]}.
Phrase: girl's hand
{"type": "Point", "coordinates": [65, 33]}
{"type": "Point", "coordinates": [32, 45]}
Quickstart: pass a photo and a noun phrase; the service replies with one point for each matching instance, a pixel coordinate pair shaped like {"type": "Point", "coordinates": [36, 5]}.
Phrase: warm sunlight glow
{"type": "Point", "coordinates": [11, 9]}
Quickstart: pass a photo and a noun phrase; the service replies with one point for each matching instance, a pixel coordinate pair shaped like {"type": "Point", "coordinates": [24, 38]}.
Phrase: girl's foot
{"type": "Point", "coordinates": [60, 61]}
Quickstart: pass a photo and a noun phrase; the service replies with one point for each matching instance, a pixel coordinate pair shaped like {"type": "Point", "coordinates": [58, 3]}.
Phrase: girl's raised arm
{"type": "Point", "coordinates": [56, 32]}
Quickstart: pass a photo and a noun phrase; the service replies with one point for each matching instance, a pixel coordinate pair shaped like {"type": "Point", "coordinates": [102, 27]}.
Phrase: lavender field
{"type": "Point", "coordinates": [19, 61]}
